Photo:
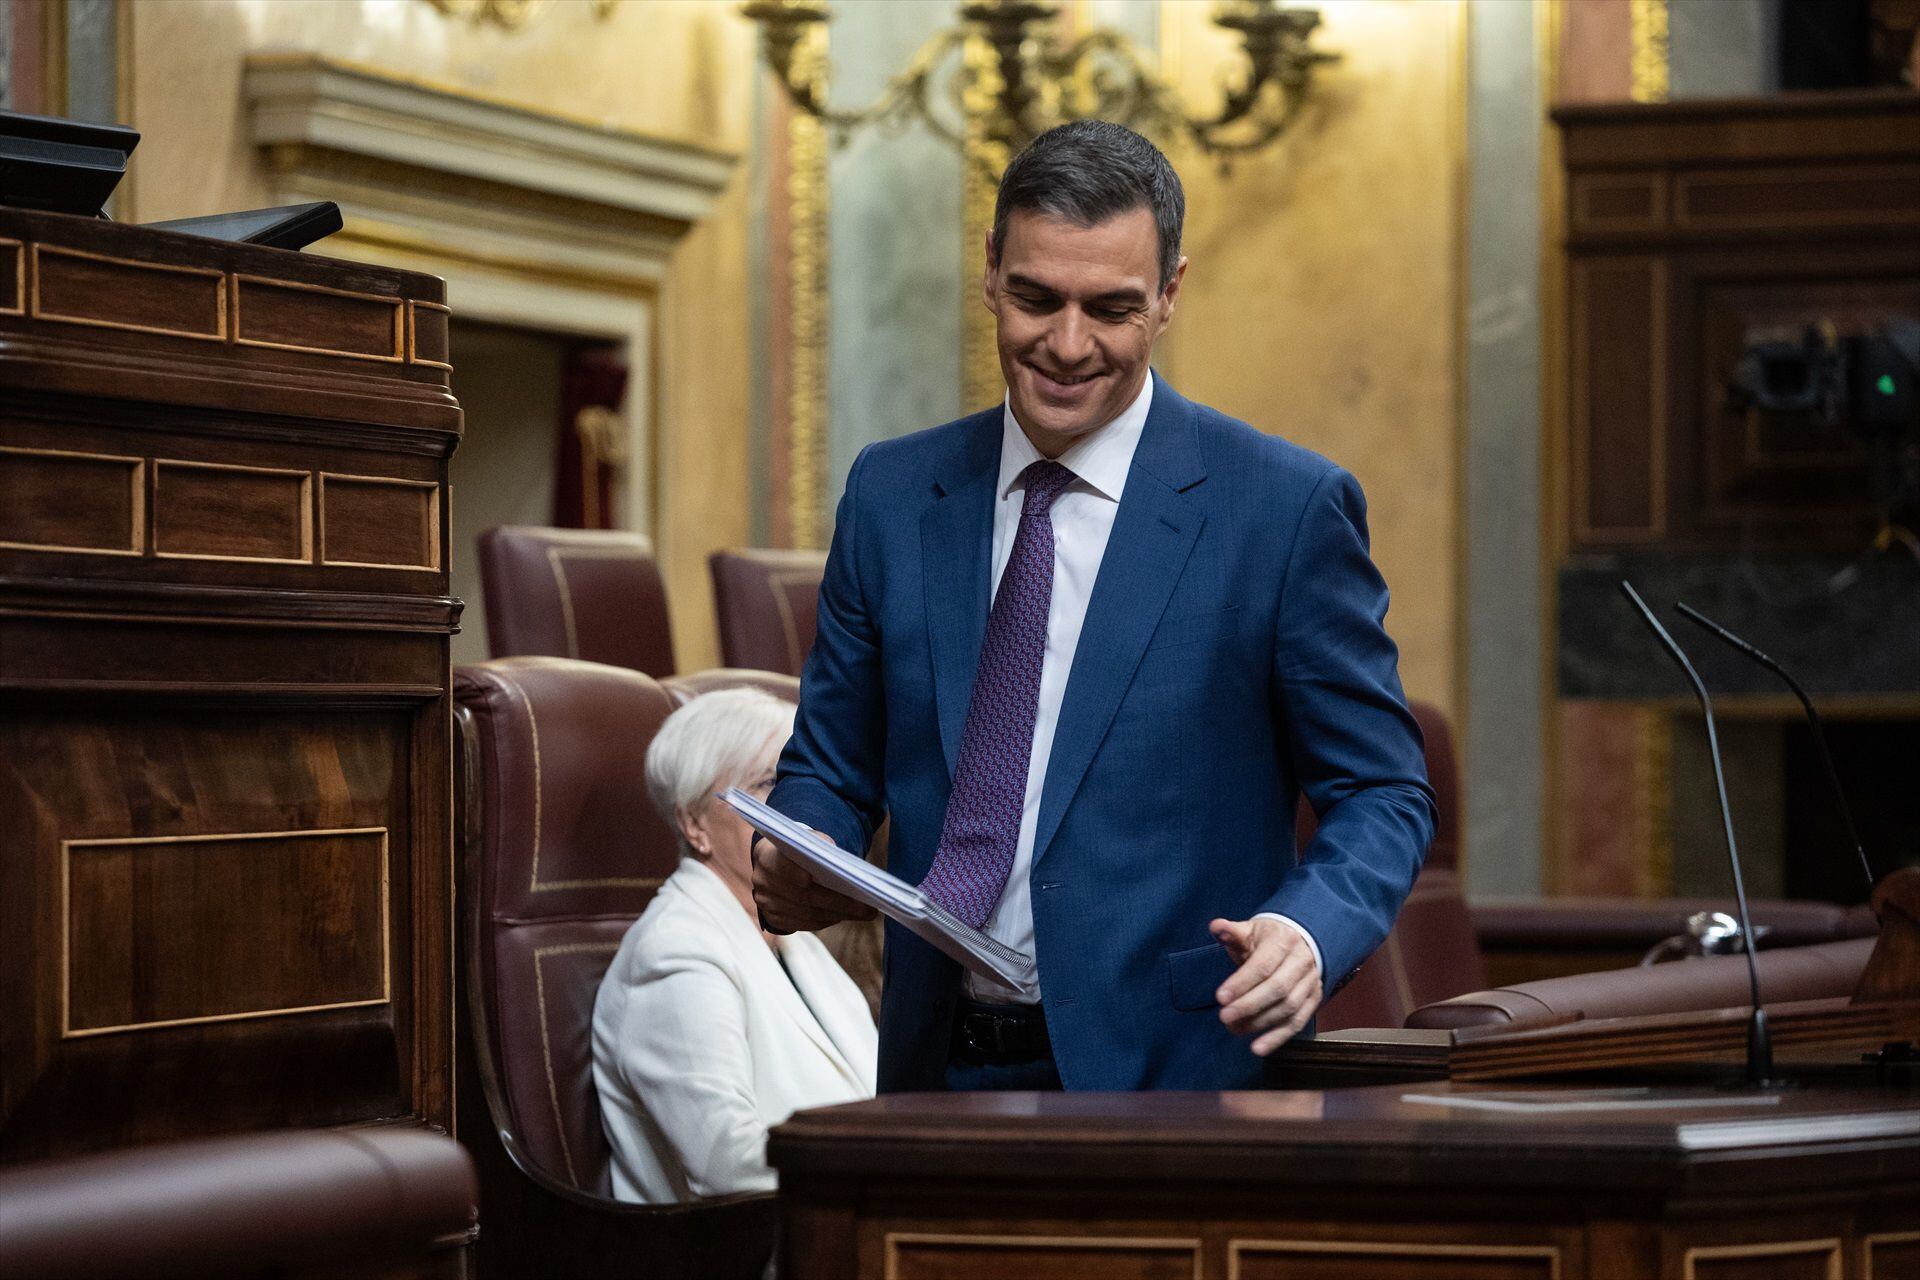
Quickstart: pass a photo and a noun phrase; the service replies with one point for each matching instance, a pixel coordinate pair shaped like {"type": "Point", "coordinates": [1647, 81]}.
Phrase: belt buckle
{"type": "Point", "coordinates": [985, 1034]}
{"type": "Point", "coordinates": [996, 1035]}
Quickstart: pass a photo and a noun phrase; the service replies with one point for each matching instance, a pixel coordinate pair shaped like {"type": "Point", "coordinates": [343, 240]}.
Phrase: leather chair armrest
{"type": "Point", "coordinates": [1787, 974]}
{"type": "Point", "coordinates": [236, 1205]}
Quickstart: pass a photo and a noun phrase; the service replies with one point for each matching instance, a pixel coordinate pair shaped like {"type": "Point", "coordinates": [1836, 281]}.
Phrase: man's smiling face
{"type": "Point", "coordinates": [1077, 311]}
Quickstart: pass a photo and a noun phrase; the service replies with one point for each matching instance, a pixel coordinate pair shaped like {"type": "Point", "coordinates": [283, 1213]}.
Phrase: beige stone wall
{"type": "Point", "coordinates": [1321, 303]}
{"type": "Point", "coordinates": [679, 69]}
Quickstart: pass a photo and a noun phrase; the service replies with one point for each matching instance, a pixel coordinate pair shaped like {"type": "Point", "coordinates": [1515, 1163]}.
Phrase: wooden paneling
{"type": "Point", "coordinates": [150, 940]}
{"type": "Point", "coordinates": [1787, 1260]}
{"type": "Point", "coordinates": [1373, 1260]}
{"type": "Point", "coordinates": [1619, 201]}
{"type": "Point", "coordinates": [1892, 1256]}
{"type": "Point", "coordinates": [109, 292]}
{"type": "Point", "coordinates": [986, 1257]}
{"type": "Point", "coordinates": [376, 522]}
{"type": "Point", "coordinates": [276, 316]}
{"type": "Point", "coordinates": [145, 946]}
{"type": "Point", "coordinates": [298, 317]}
{"type": "Point", "coordinates": [1694, 228]}
{"type": "Point", "coordinates": [181, 656]}
{"type": "Point", "coordinates": [58, 500]}
{"type": "Point", "coordinates": [225, 802]}
{"type": "Point", "coordinates": [428, 341]}
{"type": "Point", "coordinates": [1760, 471]}
{"type": "Point", "coordinates": [1812, 196]}
{"type": "Point", "coordinates": [1619, 415]}
{"type": "Point", "coordinates": [13, 277]}
{"type": "Point", "coordinates": [215, 511]}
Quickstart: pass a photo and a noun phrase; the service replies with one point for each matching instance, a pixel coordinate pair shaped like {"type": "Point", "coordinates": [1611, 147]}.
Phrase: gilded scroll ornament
{"type": "Point", "coordinates": [1019, 78]}
{"type": "Point", "coordinates": [509, 15]}
{"type": "Point", "coordinates": [807, 263]}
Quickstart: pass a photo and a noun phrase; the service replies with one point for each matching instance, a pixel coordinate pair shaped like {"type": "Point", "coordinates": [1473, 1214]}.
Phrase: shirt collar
{"type": "Point", "coordinates": [1099, 459]}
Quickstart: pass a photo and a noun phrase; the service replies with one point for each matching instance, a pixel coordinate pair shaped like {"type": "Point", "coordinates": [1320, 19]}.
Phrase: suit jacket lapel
{"type": "Point", "coordinates": [956, 552]}
{"type": "Point", "coordinates": [761, 966]}
{"type": "Point", "coordinates": [1153, 534]}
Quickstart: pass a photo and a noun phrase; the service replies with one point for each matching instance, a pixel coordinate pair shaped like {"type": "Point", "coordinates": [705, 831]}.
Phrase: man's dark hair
{"type": "Point", "coordinates": [1089, 171]}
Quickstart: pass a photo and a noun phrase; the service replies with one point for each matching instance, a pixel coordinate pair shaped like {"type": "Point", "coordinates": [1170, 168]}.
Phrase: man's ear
{"type": "Point", "coordinates": [989, 280]}
{"type": "Point", "coordinates": [1171, 294]}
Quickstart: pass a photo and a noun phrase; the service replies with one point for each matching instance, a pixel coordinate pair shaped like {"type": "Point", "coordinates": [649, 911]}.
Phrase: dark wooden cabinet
{"type": "Point", "coordinates": [225, 831]}
{"type": "Point", "coordinates": [1691, 227]}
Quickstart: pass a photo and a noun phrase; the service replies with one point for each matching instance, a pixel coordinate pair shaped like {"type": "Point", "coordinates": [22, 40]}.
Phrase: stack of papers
{"type": "Point", "coordinates": [860, 880]}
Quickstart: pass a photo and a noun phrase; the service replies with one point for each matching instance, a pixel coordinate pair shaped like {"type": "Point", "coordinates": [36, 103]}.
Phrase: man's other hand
{"type": "Point", "coordinates": [1277, 986]}
{"type": "Point", "coordinates": [788, 898]}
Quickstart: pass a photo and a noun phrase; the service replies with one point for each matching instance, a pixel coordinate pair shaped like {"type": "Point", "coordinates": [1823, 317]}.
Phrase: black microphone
{"type": "Point", "coordinates": [1813, 719]}
{"type": "Point", "coordinates": [1759, 1043]}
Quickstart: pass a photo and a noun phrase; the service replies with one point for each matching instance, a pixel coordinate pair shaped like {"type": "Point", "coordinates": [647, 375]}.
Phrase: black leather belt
{"type": "Point", "coordinates": [1000, 1035]}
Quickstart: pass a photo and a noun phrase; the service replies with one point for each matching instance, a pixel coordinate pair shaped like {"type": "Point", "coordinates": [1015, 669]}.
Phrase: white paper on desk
{"type": "Point", "coordinates": [860, 880]}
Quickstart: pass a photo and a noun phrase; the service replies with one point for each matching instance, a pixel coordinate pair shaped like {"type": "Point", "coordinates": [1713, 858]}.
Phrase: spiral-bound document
{"type": "Point", "coordinates": [860, 880]}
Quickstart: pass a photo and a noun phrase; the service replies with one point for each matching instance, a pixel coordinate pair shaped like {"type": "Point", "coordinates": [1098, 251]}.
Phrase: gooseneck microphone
{"type": "Point", "coordinates": [1759, 1043]}
{"type": "Point", "coordinates": [1813, 719]}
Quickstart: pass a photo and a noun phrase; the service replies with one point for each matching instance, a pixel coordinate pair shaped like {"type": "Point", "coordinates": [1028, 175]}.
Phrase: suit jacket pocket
{"type": "Point", "coordinates": [1195, 974]}
{"type": "Point", "coordinates": [1191, 628]}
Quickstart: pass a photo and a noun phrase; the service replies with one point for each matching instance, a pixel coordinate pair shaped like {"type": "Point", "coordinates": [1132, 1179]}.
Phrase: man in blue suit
{"type": "Point", "coordinates": [1087, 649]}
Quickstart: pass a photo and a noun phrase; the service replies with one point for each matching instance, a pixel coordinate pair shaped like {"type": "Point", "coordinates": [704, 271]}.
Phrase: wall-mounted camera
{"type": "Point", "coordinates": [1862, 381]}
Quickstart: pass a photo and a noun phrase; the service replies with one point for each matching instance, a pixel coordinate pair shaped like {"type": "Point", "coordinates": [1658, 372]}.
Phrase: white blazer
{"type": "Point", "coordinates": [701, 1043]}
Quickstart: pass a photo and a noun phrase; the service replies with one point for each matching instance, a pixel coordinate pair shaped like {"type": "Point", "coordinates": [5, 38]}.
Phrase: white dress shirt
{"type": "Point", "coordinates": [1082, 522]}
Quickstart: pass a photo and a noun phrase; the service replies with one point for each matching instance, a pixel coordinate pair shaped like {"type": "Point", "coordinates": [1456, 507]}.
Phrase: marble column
{"type": "Point", "coordinates": [1503, 739]}
{"type": "Point", "coordinates": [894, 283]}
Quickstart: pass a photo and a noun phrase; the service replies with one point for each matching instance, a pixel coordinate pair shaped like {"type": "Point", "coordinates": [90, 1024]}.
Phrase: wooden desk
{"type": "Point", "coordinates": [1360, 1183]}
{"type": "Point", "coordinates": [225, 780]}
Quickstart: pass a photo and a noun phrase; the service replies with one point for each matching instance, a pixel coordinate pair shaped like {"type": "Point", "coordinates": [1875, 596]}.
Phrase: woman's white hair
{"type": "Point", "coordinates": [710, 744]}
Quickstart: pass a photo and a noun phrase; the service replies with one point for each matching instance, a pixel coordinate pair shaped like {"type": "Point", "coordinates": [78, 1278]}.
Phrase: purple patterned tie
{"type": "Point", "coordinates": [982, 826]}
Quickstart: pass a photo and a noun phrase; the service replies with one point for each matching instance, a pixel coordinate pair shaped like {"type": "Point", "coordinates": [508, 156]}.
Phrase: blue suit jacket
{"type": "Point", "coordinates": [1233, 656]}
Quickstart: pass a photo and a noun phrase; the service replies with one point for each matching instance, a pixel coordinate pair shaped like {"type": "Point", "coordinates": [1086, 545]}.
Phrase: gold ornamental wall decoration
{"type": "Point", "coordinates": [510, 15]}
{"type": "Point", "coordinates": [1650, 60]}
{"type": "Point", "coordinates": [1003, 74]}
{"type": "Point", "coordinates": [807, 261]}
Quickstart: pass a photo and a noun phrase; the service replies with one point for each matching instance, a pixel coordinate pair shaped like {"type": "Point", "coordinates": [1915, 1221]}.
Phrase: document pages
{"type": "Point", "coordinates": [860, 880]}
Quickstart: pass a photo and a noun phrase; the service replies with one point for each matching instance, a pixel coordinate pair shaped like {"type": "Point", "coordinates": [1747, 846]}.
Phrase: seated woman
{"type": "Point", "coordinates": [707, 1031]}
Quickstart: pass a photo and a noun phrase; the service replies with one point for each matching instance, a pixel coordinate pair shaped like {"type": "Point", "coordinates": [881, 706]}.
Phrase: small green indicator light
{"type": "Point", "coordinates": [1885, 385]}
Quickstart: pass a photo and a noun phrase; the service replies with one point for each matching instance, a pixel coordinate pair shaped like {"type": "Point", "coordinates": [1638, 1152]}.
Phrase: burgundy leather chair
{"type": "Point", "coordinates": [575, 593]}
{"type": "Point", "coordinates": [561, 851]}
{"type": "Point", "coordinates": [1826, 971]}
{"type": "Point", "coordinates": [373, 1200]}
{"type": "Point", "coordinates": [684, 689]}
{"type": "Point", "coordinates": [1431, 952]}
{"type": "Point", "coordinates": [767, 602]}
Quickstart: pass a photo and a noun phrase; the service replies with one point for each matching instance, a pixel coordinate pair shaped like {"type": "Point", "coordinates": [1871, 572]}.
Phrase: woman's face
{"type": "Point", "coordinates": [726, 838]}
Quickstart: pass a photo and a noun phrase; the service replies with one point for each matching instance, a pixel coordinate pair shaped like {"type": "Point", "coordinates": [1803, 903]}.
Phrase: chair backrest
{"type": "Point", "coordinates": [767, 602]}
{"type": "Point", "coordinates": [593, 594]}
{"type": "Point", "coordinates": [1432, 951]}
{"type": "Point", "coordinates": [684, 689]}
{"type": "Point", "coordinates": [564, 852]}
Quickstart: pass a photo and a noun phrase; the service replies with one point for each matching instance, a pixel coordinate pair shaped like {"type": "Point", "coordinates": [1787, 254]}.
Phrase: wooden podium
{"type": "Point", "coordinates": [1424, 1175]}
{"type": "Point", "coordinates": [225, 837]}
{"type": "Point", "coordinates": [1437, 1181]}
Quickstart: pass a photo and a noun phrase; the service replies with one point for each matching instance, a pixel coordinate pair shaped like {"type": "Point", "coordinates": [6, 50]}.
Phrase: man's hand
{"type": "Point", "coordinates": [1277, 986]}
{"type": "Point", "coordinates": [788, 898]}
